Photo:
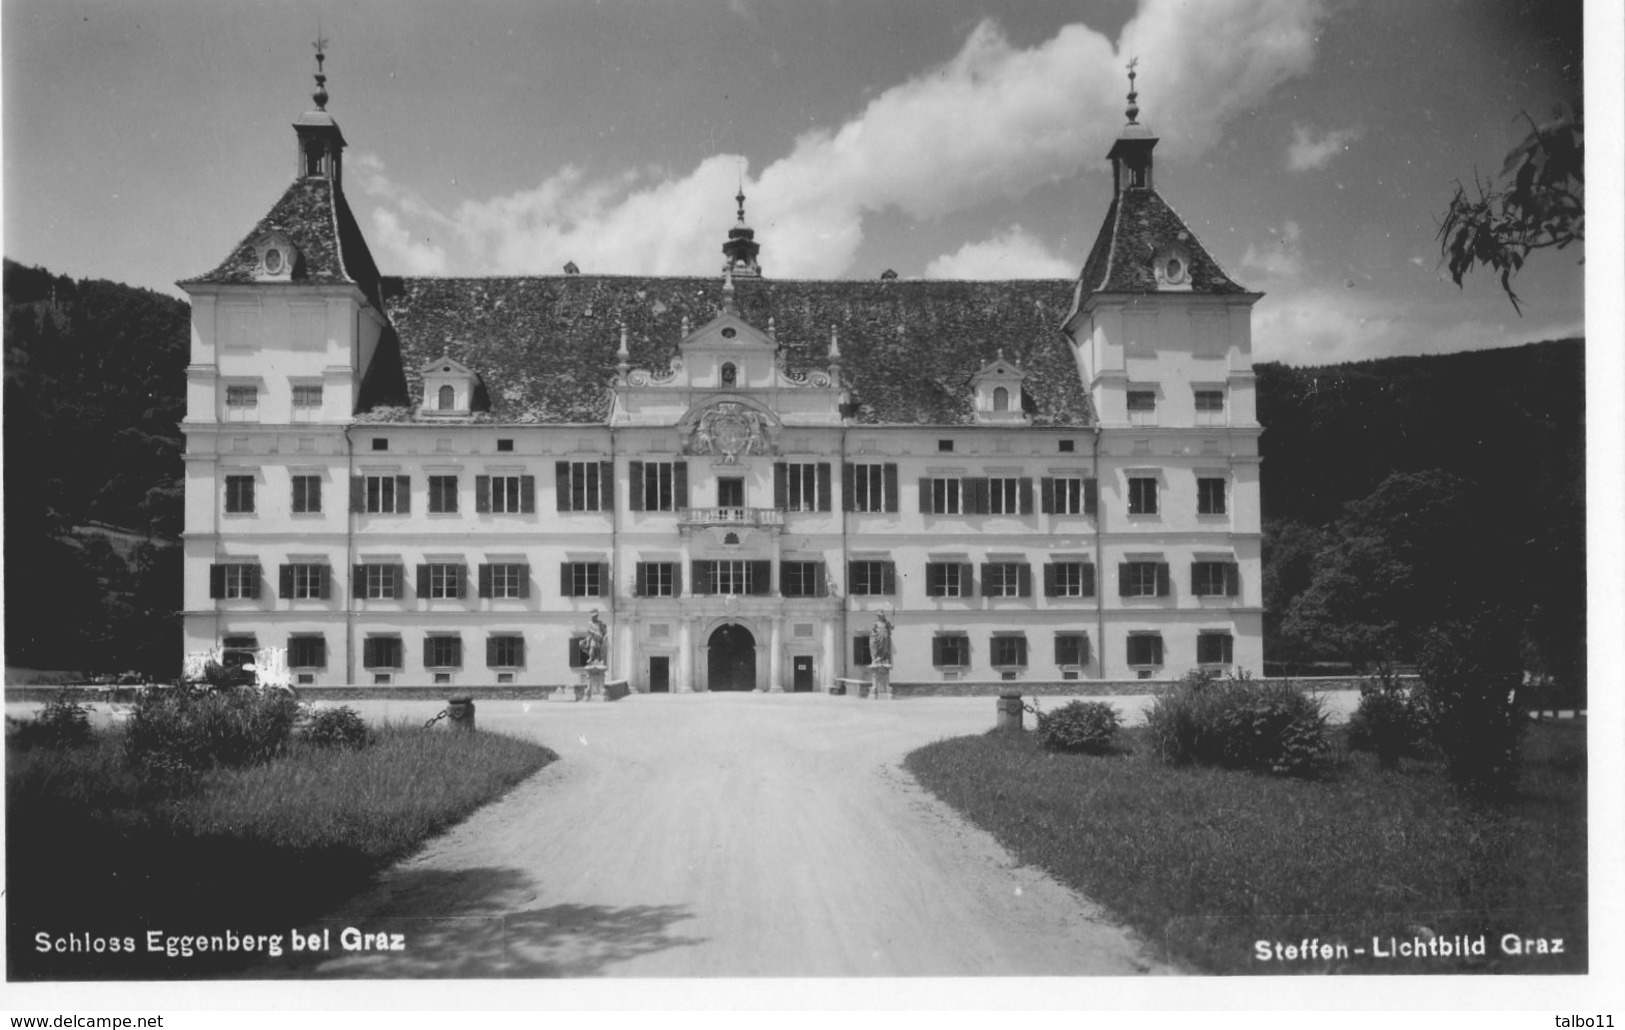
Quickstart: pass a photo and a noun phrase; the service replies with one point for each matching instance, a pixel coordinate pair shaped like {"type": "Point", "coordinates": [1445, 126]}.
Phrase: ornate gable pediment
{"type": "Point", "coordinates": [730, 429]}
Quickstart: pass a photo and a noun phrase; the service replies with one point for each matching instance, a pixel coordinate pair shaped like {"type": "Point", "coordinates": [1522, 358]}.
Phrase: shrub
{"type": "Point", "coordinates": [185, 731]}
{"type": "Point", "coordinates": [1238, 723]}
{"type": "Point", "coordinates": [62, 723]}
{"type": "Point", "coordinates": [1471, 672]}
{"type": "Point", "coordinates": [337, 727]}
{"type": "Point", "coordinates": [1086, 726]}
{"type": "Point", "coordinates": [1389, 721]}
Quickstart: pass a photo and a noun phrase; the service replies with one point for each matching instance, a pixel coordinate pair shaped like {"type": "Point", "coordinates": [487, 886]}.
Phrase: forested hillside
{"type": "Point", "coordinates": [95, 380]}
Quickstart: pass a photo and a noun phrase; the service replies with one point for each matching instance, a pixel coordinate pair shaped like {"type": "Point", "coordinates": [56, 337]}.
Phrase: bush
{"type": "Point", "coordinates": [185, 731]}
{"type": "Point", "coordinates": [1086, 726]}
{"type": "Point", "coordinates": [62, 723]}
{"type": "Point", "coordinates": [337, 727]}
{"type": "Point", "coordinates": [1389, 722]}
{"type": "Point", "coordinates": [1238, 723]}
{"type": "Point", "coordinates": [1471, 672]}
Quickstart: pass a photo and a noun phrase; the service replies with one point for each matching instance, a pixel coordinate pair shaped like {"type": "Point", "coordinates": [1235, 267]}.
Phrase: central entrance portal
{"type": "Point", "coordinates": [732, 659]}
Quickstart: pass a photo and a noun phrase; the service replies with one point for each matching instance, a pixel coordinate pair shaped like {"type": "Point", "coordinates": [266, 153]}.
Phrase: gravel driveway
{"type": "Point", "coordinates": [722, 835]}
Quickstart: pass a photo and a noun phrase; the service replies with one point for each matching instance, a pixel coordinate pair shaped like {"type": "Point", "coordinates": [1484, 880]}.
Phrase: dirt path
{"type": "Point", "coordinates": [718, 835]}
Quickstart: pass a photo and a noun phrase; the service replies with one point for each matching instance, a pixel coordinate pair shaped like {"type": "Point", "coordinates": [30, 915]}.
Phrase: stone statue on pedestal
{"type": "Point", "coordinates": [880, 646]}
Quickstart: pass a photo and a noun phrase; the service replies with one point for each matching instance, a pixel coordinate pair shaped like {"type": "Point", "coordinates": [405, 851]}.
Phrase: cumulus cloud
{"type": "Point", "coordinates": [993, 121]}
{"type": "Point", "coordinates": [1012, 254]}
{"type": "Point", "coordinates": [1309, 151]}
{"type": "Point", "coordinates": [1284, 258]}
{"type": "Point", "coordinates": [420, 258]}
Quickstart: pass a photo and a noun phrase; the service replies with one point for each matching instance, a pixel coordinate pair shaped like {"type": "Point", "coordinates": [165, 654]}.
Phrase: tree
{"type": "Point", "coordinates": [1537, 202]}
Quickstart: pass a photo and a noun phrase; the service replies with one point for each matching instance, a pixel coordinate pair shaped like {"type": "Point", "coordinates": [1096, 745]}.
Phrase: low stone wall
{"type": "Point", "coordinates": [353, 692]}
{"type": "Point", "coordinates": [1096, 688]}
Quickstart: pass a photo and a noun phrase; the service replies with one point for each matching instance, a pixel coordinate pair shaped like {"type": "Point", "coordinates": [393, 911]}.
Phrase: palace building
{"type": "Point", "coordinates": [416, 480]}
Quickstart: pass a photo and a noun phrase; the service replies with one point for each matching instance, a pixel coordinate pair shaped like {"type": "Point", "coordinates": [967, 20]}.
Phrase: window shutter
{"type": "Point", "coordinates": [358, 581]}
{"type": "Point", "coordinates": [936, 651]}
{"type": "Point", "coordinates": [890, 475]}
{"type": "Point", "coordinates": [566, 581]}
{"type": "Point", "coordinates": [358, 493]}
{"type": "Point", "coordinates": [1162, 579]}
{"type": "Point", "coordinates": [1122, 579]}
{"type": "Point", "coordinates": [606, 485]}
{"type": "Point", "coordinates": [987, 576]}
{"type": "Point", "coordinates": [823, 486]}
{"type": "Point", "coordinates": [1088, 580]}
{"type": "Point", "coordinates": [821, 577]}
{"type": "Point", "coordinates": [927, 506]}
{"type": "Point", "coordinates": [977, 502]}
{"type": "Point", "coordinates": [561, 487]}
{"type": "Point", "coordinates": [849, 479]}
{"type": "Point", "coordinates": [485, 580]}
{"type": "Point", "coordinates": [1025, 489]}
{"type": "Point", "coordinates": [527, 494]}
{"type": "Point", "coordinates": [1024, 580]}
{"type": "Point", "coordinates": [761, 577]}
{"type": "Point", "coordinates": [400, 582]}
{"type": "Point", "coordinates": [784, 579]}
{"type": "Point", "coordinates": [482, 493]}
{"type": "Point", "coordinates": [326, 576]}
{"type": "Point", "coordinates": [634, 485]}
{"type": "Point", "coordinates": [217, 581]}
{"type": "Point", "coordinates": [524, 581]}
{"type": "Point", "coordinates": [284, 584]}
{"type": "Point", "coordinates": [605, 587]}
{"type": "Point", "coordinates": [369, 653]}
{"type": "Point", "coordinates": [462, 581]}
{"type": "Point", "coordinates": [967, 583]}
{"type": "Point", "coordinates": [640, 580]}
{"type": "Point", "coordinates": [677, 579]}
{"type": "Point", "coordinates": [1091, 496]}
{"type": "Point", "coordinates": [403, 494]}
{"type": "Point", "coordinates": [1046, 495]}
{"type": "Point", "coordinates": [933, 585]}
{"type": "Point", "coordinates": [781, 486]}
{"type": "Point", "coordinates": [888, 577]}
{"type": "Point", "coordinates": [490, 652]}
{"type": "Point", "coordinates": [1049, 579]}
{"type": "Point", "coordinates": [702, 579]}
{"type": "Point", "coordinates": [679, 484]}
{"type": "Point", "coordinates": [1232, 579]}
{"type": "Point", "coordinates": [423, 581]}
{"type": "Point", "coordinates": [253, 576]}
{"type": "Point", "coordinates": [1083, 649]}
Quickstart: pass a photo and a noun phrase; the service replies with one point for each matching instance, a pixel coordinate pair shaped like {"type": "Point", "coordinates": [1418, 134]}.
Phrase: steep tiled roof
{"type": "Point", "coordinates": [546, 345]}
{"type": "Point", "coordinates": [1138, 222]}
{"type": "Point", "coordinates": [317, 220]}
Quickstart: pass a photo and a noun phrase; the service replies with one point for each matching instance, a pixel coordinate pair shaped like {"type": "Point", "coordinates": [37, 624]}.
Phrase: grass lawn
{"type": "Point", "coordinates": [1204, 864]}
{"type": "Point", "coordinates": [95, 850]}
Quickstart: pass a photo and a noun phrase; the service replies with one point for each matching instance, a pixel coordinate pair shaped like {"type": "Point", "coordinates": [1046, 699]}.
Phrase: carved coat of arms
{"type": "Point", "coordinates": [730, 430]}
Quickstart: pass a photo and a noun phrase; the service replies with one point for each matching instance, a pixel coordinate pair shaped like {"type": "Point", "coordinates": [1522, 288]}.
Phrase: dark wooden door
{"type": "Point", "coordinates": [803, 675]}
{"type": "Point", "coordinates": [659, 674]}
{"type": "Point", "coordinates": [731, 659]}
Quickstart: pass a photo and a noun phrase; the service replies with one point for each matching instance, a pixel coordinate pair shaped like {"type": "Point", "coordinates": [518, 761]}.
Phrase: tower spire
{"type": "Point", "coordinates": [321, 145]}
{"type": "Point", "coordinates": [1131, 153]}
{"type": "Point", "coordinates": [741, 248]}
{"type": "Point", "coordinates": [1133, 109]}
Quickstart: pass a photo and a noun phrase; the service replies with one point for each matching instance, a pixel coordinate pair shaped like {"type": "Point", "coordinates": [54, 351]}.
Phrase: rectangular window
{"type": "Point", "coordinates": [654, 485]}
{"type": "Point", "coordinates": [1067, 446]}
{"type": "Point", "coordinates": [1069, 579]}
{"type": "Point", "coordinates": [242, 403]}
{"type": "Point", "coordinates": [1215, 578]}
{"type": "Point", "coordinates": [946, 579]}
{"type": "Point", "coordinates": [754, 577]}
{"type": "Point", "coordinates": [240, 495]}
{"type": "Point", "coordinates": [1006, 579]}
{"type": "Point", "coordinates": [582, 579]}
{"type": "Point", "coordinates": [1210, 496]}
{"type": "Point", "coordinates": [380, 494]}
{"type": "Point", "coordinates": [1210, 407]}
{"type": "Point", "coordinates": [802, 579]}
{"type": "Point", "coordinates": [1214, 648]}
{"type": "Point", "coordinates": [1069, 495]}
{"type": "Point", "coordinates": [505, 651]}
{"type": "Point", "coordinates": [505, 445]}
{"type": "Point", "coordinates": [307, 403]}
{"type": "Point", "coordinates": [578, 652]}
{"type": "Point", "coordinates": [1142, 579]}
{"type": "Point", "coordinates": [1071, 649]}
{"type": "Point", "coordinates": [505, 495]}
{"type": "Point", "coordinates": [443, 495]}
{"type": "Point", "coordinates": [871, 578]}
{"type": "Point", "coordinates": [382, 653]}
{"type": "Point", "coordinates": [940, 496]}
{"type": "Point", "coordinates": [380, 581]}
{"type": "Point", "coordinates": [862, 656]}
{"type": "Point", "coordinates": [505, 580]}
{"type": "Point", "coordinates": [1004, 496]}
{"type": "Point", "coordinates": [1142, 495]}
{"type": "Point", "coordinates": [1142, 407]}
{"type": "Point", "coordinates": [945, 446]}
{"type": "Point", "coordinates": [307, 495]}
{"type": "Point", "coordinates": [1009, 649]}
{"type": "Point", "coordinates": [730, 492]}
{"type": "Point", "coordinates": [307, 652]}
{"type": "Point", "coordinates": [801, 486]}
{"type": "Point", "coordinates": [950, 649]}
{"type": "Point", "coordinates": [442, 652]}
{"type": "Point", "coordinates": [234, 581]}
{"type": "Point", "coordinates": [658, 579]}
{"type": "Point", "coordinates": [1145, 649]}
{"type": "Point", "coordinates": [305, 581]}
{"type": "Point", "coordinates": [584, 485]}
{"type": "Point", "coordinates": [441, 581]}
{"type": "Point", "coordinates": [730, 577]}
{"type": "Point", "coordinates": [871, 487]}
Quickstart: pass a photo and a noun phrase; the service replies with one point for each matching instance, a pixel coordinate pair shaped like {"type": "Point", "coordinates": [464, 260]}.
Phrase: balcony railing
{"type": "Point", "coordinates": [732, 517]}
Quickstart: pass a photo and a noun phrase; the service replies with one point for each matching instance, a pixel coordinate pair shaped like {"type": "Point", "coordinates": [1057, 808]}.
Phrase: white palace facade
{"type": "Point", "coordinates": [418, 481]}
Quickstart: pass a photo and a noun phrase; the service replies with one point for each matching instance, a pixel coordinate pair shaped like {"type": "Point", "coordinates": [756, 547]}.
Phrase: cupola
{"type": "Point", "coordinates": [741, 248]}
{"type": "Point", "coordinates": [321, 144]}
{"type": "Point", "coordinates": [1131, 154]}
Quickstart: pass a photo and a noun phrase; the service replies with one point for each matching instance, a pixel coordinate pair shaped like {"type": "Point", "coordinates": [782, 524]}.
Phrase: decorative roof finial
{"type": "Point", "coordinates": [728, 291]}
{"type": "Point", "coordinates": [834, 344]}
{"type": "Point", "coordinates": [1133, 110]}
{"type": "Point", "coordinates": [320, 96]}
{"type": "Point", "coordinates": [739, 198]}
{"type": "Point", "coordinates": [772, 331]}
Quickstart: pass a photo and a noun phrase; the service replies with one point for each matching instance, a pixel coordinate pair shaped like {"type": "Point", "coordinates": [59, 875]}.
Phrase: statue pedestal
{"type": "Point", "coordinates": [880, 685]}
{"type": "Point", "coordinates": [595, 683]}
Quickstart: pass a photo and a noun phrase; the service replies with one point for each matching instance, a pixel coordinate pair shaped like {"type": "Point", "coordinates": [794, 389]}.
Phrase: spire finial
{"type": "Point", "coordinates": [1133, 110]}
{"type": "Point", "coordinates": [739, 197]}
{"type": "Point", "coordinates": [728, 290]}
{"type": "Point", "coordinates": [320, 96]}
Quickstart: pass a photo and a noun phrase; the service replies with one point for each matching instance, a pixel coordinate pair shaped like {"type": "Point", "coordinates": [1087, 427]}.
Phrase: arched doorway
{"type": "Point", "coordinates": [731, 661]}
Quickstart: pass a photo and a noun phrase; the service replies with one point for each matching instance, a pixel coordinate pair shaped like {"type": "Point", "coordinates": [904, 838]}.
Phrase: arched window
{"type": "Point", "coordinates": [1001, 399]}
{"type": "Point", "coordinates": [448, 398]}
{"type": "Point", "coordinates": [730, 375]}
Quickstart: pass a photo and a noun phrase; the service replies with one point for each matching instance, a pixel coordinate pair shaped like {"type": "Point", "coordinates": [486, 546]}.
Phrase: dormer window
{"type": "Point", "coordinates": [450, 388]}
{"type": "Point", "coordinates": [1171, 265]}
{"type": "Point", "coordinates": [274, 257]}
{"type": "Point", "coordinates": [998, 390]}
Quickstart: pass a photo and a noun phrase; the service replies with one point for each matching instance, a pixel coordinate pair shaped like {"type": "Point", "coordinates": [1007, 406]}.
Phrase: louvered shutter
{"type": "Point", "coordinates": [1091, 496]}
{"type": "Point", "coordinates": [400, 582]}
{"type": "Point", "coordinates": [566, 581]}
{"type": "Point", "coordinates": [933, 584]}
{"type": "Point", "coordinates": [888, 577]}
{"type": "Point", "coordinates": [358, 493]}
{"type": "Point", "coordinates": [634, 485]}
{"type": "Point", "coordinates": [987, 576]}
{"type": "Point", "coordinates": [462, 581]}
{"type": "Point", "coordinates": [890, 475]}
{"type": "Point", "coordinates": [820, 578]}
{"type": "Point", "coordinates": [849, 479]}
{"type": "Point", "coordinates": [1088, 580]}
{"type": "Point", "coordinates": [640, 580]}
{"type": "Point", "coordinates": [326, 575]}
{"type": "Point", "coordinates": [284, 577]}
{"type": "Point", "coordinates": [253, 584]}
{"type": "Point", "coordinates": [1162, 579]}
{"type": "Point", "coordinates": [605, 587]}
{"type": "Point", "coordinates": [823, 486]}
{"type": "Point", "coordinates": [358, 581]}
{"type": "Point", "coordinates": [561, 486]}
{"type": "Point", "coordinates": [369, 653]}
{"type": "Point", "coordinates": [490, 652]}
{"type": "Point", "coordinates": [676, 579]}
{"type": "Point", "coordinates": [423, 581]}
{"type": "Point", "coordinates": [606, 485]}
{"type": "Point", "coordinates": [702, 578]}
{"type": "Point", "coordinates": [217, 581]}
{"type": "Point", "coordinates": [1050, 572]}
{"type": "Point", "coordinates": [1025, 489]}
{"type": "Point", "coordinates": [1046, 495]}
{"type": "Point", "coordinates": [1122, 579]}
{"type": "Point", "coordinates": [485, 580]}
{"type": "Point", "coordinates": [482, 493]}
{"type": "Point", "coordinates": [761, 577]}
{"type": "Point", "coordinates": [927, 505]}
{"type": "Point", "coordinates": [967, 584]}
{"type": "Point", "coordinates": [1024, 580]}
{"type": "Point", "coordinates": [403, 494]}
{"type": "Point", "coordinates": [679, 485]}
{"type": "Point", "coordinates": [781, 486]}
{"type": "Point", "coordinates": [524, 581]}
{"type": "Point", "coordinates": [976, 503]}
{"type": "Point", "coordinates": [1232, 579]}
{"type": "Point", "coordinates": [527, 494]}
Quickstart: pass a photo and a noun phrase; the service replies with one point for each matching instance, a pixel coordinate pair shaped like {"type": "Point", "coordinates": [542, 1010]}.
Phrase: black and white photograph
{"type": "Point", "coordinates": [879, 504]}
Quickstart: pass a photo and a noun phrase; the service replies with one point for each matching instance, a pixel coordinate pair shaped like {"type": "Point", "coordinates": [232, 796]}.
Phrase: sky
{"type": "Point", "coordinates": [1312, 146]}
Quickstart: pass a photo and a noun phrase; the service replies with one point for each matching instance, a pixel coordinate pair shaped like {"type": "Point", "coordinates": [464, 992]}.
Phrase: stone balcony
{"type": "Point", "coordinates": [745, 517]}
